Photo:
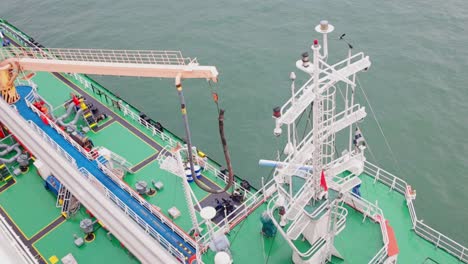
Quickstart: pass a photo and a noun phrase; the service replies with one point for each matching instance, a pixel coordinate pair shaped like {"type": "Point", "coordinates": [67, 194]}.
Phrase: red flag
{"type": "Point", "coordinates": [323, 182]}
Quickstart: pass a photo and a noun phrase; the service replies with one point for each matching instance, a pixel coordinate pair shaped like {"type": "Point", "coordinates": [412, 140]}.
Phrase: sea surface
{"type": "Point", "coordinates": [417, 85]}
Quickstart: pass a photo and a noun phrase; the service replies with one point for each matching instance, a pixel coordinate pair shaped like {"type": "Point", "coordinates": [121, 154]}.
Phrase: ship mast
{"type": "Point", "coordinates": [309, 189]}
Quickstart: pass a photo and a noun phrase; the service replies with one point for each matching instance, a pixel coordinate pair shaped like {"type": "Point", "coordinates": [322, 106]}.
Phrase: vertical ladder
{"type": "Point", "coordinates": [5, 174]}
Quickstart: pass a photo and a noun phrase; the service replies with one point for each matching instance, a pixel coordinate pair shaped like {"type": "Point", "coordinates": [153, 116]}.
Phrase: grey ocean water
{"type": "Point", "coordinates": [417, 83]}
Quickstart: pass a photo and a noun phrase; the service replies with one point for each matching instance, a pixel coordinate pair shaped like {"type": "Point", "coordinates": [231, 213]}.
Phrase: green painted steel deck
{"type": "Point", "coordinates": [32, 208]}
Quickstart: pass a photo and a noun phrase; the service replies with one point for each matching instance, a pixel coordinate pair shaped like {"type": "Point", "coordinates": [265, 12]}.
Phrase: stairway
{"type": "Point", "coordinates": [5, 174]}
{"type": "Point", "coordinates": [297, 227]}
{"type": "Point", "coordinates": [115, 161]}
{"type": "Point", "coordinates": [345, 184]}
{"type": "Point", "coordinates": [301, 201]}
{"type": "Point", "coordinates": [67, 202]}
{"type": "Point", "coordinates": [102, 160]}
{"type": "Point", "coordinates": [89, 117]}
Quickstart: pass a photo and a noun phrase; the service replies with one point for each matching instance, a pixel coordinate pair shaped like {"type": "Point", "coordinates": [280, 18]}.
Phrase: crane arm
{"type": "Point", "coordinates": [135, 63]}
{"type": "Point", "coordinates": [116, 69]}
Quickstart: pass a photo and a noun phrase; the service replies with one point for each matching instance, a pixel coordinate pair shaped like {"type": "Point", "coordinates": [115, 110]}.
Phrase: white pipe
{"type": "Point", "coordinates": [325, 46]}
{"type": "Point", "coordinates": [275, 164]}
{"type": "Point", "coordinates": [144, 247]}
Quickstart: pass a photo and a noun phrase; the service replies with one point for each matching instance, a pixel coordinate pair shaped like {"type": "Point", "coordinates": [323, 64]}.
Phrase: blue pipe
{"type": "Point", "coordinates": [173, 238]}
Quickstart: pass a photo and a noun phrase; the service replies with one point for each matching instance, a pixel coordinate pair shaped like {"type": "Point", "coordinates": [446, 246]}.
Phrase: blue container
{"type": "Point", "coordinates": [197, 171]}
{"type": "Point", "coordinates": [188, 173]}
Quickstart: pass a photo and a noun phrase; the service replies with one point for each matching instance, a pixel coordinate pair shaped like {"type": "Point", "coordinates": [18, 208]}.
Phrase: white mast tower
{"type": "Point", "coordinates": [303, 208]}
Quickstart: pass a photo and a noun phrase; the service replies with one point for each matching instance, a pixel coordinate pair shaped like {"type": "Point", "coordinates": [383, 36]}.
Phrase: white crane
{"type": "Point", "coordinates": [136, 63]}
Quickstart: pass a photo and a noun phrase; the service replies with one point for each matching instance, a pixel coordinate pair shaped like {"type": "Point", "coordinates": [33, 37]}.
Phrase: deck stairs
{"type": "Point", "coordinates": [113, 160]}
{"type": "Point", "coordinates": [67, 202]}
{"type": "Point", "coordinates": [89, 117]}
{"type": "Point", "coordinates": [297, 227]}
{"type": "Point", "coordinates": [303, 197]}
{"type": "Point", "coordinates": [5, 174]}
{"type": "Point", "coordinates": [345, 184]}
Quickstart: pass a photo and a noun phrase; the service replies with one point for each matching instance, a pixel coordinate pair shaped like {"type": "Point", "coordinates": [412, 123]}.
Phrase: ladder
{"type": "Point", "coordinates": [300, 201]}
{"type": "Point", "coordinates": [102, 160]}
{"type": "Point", "coordinates": [297, 227]}
{"type": "Point", "coordinates": [5, 174]}
{"type": "Point", "coordinates": [88, 116]}
{"type": "Point", "coordinates": [67, 202]}
{"type": "Point", "coordinates": [112, 160]}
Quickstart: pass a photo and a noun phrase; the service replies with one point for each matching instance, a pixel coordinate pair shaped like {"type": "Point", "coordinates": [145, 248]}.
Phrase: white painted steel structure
{"type": "Point", "coordinates": [136, 63]}
{"type": "Point", "coordinates": [127, 231]}
{"type": "Point", "coordinates": [317, 150]}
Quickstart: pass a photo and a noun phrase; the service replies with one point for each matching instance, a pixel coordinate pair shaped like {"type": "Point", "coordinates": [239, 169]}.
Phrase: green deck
{"type": "Point", "coordinates": [32, 208]}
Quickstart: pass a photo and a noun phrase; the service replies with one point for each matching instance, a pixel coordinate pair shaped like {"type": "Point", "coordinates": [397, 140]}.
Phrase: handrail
{"type": "Point", "coordinates": [127, 210]}
{"type": "Point", "coordinates": [29, 102]}
{"type": "Point", "coordinates": [176, 229]}
{"type": "Point", "coordinates": [142, 246]}
{"type": "Point", "coordinates": [53, 143]}
{"type": "Point", "coordinates": [341, 222]}
{"type": "Point", "coordinates": [420, 228]}
{"type": "Point", "coordinates": [117, 159]}
{"type": "Point", "coordinates": [107, 171]}
{"type": "Point", "coordinates": [150, 230]}
{"type": "Point", "coordinates": [154, 131]}
{"type": "Point", "coordinates": [16, 242]}
{"type": "Point", "coordinates": [223, 176]}
{"type": "Point", "coordinates": [238, 214]}
{"type": "Point", "coordinates": [305, 254]}
{"type": "Point", "coordinates": [369, 209]}
{"type": "Point", "coordinates": [158, 57]}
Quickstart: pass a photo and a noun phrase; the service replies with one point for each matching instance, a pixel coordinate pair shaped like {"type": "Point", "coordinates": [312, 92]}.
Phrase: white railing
{"type": "Point", "coordinates": [154, 131]}
{"type": "Point", "coordinates": [238, 214]}
{"type": "Point", "coordinates": [371, 210]}
{"type": "Point", "coordinates": [29, 101]}
{"type": "Point", "coordinates": [107, 171]}
{"type": "Point", "coordinates": [108, 193]}
{"type": "Point", "coordinates": [166, 57]}
{"type": "Point", "coordinates": [224, 177]}
{"type": "Point", "coordinates": [53, 143]}
{"type": "Point", "coordinates": [341, 214]}
{"type": "Point", "coordinates": [84, 81]}
{"type": "Point", "coordinates": [16, 242]}
{"type": "Point", "coordinates": [314, 247]}
{"type": "Point", "coordinates": [420, 228]}
{"type": "Point", "coordinates": [117, 159]}
{"type": "Point", "coordinates": [150, 230]}
{"type": "Point", "coordinates": [156, 57]}
{"type": "Point", "coordinates": [23, 40]}
{"type": "Point", "coordinates": [154, 211]}
{"type": "Point", "coordinates": [383, 252]}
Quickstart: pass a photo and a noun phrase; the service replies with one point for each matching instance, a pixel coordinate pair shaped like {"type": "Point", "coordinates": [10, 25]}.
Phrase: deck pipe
{"type": "Point", "coordinates": [71, 124]}
{"type": "Point", "coordinates": [7, 150]}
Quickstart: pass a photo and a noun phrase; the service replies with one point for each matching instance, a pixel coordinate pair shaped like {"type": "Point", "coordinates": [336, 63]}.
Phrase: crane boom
{"type": "Point", "coordinates": [135, 63]}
